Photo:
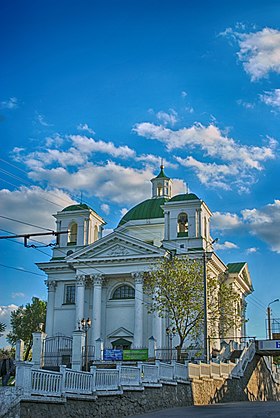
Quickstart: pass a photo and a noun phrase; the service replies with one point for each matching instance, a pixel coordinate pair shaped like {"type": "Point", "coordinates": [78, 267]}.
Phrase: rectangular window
{"type": "Point", "coordinates": [69, 294]}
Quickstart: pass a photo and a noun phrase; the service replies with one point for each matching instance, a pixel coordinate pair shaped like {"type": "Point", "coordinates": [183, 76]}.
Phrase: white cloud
{"type": "Point", "coordinates": [239, 160]}
{"type": "Point", "coordinates": [271, 98]}
{"type": "Point", "coordinates": [5, 314]}
{"type": "Point", "coordinates": [18, 295]}
{"type": "Point", "coordinates": [42, 120]}
{"type": "Point", "coordinates": [184, 93]}
{"type": "Point", "coordinates": [11, 103]}
{"type": "Point", "coordinates": [87, 145]}
{"type": "Point", "coordinates": [251, 250]}
{"type": "Point", "coordinates": [44, 203]}
{"type": "Point", "coordinates": [123, 211]}
{"type": "Point", "coordinates": [259, 51]}
{"type": "Point", "coordinates": [168, 118]}
{"type": "Point", "coordinates": [224, 221]}
{"type": "Point", "coordinates": [105, 208]}
{"type": "Point", "coordinates": [246, 105]}
{"type": "Point", "coordinates": [210, 174]}
{"type": "Point", "coordinates": [155, 161]}
{"type": "Point", "coordinates": [85, 127]}
{"type": "Point", "coordinates": [107, 231]}
{"type": "Point", "coordinates": [227, 245]}
{"type": "Point", "coordinates": [264, 223]}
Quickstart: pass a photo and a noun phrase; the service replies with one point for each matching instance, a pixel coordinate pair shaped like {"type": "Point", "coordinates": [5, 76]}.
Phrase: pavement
{"type": "Point", "coordinates": [226, 410]}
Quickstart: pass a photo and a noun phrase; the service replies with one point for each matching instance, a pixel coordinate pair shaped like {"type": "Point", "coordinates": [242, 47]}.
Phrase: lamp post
{"type": "Point", "coordinates": [170, 332]}
{"type": "Point", "coordinates": [269, 318]}
{"type": "Point", "coordinates": [85, 325]}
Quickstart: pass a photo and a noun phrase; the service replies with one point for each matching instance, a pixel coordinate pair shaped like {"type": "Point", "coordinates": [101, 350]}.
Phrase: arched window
{"type": "Point", "coordinates": [72, 235]}
{"type": "Point", "coordinates": [182, 225]}
{"type": "Point", "coordinates": [124, 292]}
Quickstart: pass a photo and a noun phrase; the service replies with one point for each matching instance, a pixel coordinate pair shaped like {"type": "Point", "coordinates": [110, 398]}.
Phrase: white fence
{"type": "Point", "coordinates": [36, 381]}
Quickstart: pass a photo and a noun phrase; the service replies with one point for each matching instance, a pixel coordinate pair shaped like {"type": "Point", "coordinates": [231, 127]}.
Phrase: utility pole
{"type": "Point", "coordinates": [269, 319]}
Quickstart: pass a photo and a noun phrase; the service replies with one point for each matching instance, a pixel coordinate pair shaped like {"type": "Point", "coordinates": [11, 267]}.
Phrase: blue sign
{"type": "Point", "coordinates": [112, 355]}
{"type": "Point", "coordinates": [277, 344]}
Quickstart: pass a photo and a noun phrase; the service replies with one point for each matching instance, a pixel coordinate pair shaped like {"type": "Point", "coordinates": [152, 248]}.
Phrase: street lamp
{"type": "Point", "coordinates": [269, 318]}
{"type": "Point", "coordinates": [170, 332]}
{"type": "Point", "coordinates": [85, 325]}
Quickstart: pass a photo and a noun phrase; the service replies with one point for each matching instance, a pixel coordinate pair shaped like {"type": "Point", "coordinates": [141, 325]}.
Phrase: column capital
{"type": "Point", "coordinates": [97, 279]}
{"type": "Point", "coordinates": [138, 277]}
{"type": "Point", "coordinates": [80, 279]}
{"type": "Point", "coordinates": [51, 285]}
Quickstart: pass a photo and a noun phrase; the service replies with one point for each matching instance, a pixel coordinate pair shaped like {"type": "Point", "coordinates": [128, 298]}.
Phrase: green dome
{"type": "Point", "coordinates": [81, 206]}
{"type": "Point", "coordinates": [149, 209]}
{"type": "Point", "coordinates": [185, 196]}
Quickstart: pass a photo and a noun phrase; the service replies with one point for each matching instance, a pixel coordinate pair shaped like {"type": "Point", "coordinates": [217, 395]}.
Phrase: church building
{"type": "Point", "coordinates": [101, 278]}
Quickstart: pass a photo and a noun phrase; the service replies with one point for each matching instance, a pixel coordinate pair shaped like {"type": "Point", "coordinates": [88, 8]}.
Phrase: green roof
{"type": "Point", "coordinates": [185, 196]}
{"type": "Point", "coordinates": [235, 267]}
{"type": "Point", "coordinates": [81, 206]}
{"type": "Point", "coordinates": [149, 209]}
{"type": "Point", "coordinates": [162, 174]}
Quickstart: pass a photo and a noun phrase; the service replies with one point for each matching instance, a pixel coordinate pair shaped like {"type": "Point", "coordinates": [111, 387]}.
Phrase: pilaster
{"type": "Point", "coordinates": [51, 285]}
{"type": "Point", "coordinates": [138, 310]}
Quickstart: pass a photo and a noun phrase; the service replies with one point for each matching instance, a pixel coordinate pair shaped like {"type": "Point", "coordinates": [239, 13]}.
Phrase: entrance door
{"type": "Point", "coordinates": [121, 344]}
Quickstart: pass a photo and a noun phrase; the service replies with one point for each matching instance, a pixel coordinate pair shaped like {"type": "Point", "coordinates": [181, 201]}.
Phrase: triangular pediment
{"type": "Point", "coordinates": [120, 333]}
{"type": "Point", "coordinates": [117, 246]}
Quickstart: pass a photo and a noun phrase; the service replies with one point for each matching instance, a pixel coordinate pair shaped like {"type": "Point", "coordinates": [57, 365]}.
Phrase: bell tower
{"type": "Point", "coordinates": [84, 227]}
{"type": "Point", "coordinates": [161, 185]}
{"type": "Point", "coordinates": [187, 224]}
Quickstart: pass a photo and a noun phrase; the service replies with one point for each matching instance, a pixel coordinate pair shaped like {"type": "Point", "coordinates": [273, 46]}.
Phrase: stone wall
{"type": "Point", "coordinates": [128, 403]}
{"type": "Point", "coordinates": [256, 384]}
{"type": "Point", "coordinates": [9, 399]}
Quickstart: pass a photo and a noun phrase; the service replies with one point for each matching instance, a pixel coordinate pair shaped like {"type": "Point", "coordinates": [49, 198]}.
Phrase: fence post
{"type": "Point", "coordinates": [37, 348]}
{"type": "Point", "coordinates": [19, 350]}
{"type": "Point", "coordinates": [23, 376]}
{"type": "Point", "coordinates": [98, 349]}
{"type": "Point", "coordinates": [93, 372]}
{"type": "Point", "coordinates": [62, 370]}
{"type": "Point", "coordinates": [77, 349]}
{"type": "Point", "coordinates": [152, 348]}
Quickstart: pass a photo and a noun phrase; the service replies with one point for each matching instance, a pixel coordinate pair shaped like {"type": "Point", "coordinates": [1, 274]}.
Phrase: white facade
{"type": "Point", "coordinates": [102, 278]}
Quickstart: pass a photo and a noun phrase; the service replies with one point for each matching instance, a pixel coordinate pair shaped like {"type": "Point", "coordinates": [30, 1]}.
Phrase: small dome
{"type": "Point", "coordinates": [185, 196]}
{"type": "Point", "coordinates": [80, 206]}
{"type": "Point", "coordinates": [149, 209]}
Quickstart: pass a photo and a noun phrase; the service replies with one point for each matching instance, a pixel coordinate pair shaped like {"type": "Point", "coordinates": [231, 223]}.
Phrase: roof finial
{"type": "Point", "coordinates": [161, 164]}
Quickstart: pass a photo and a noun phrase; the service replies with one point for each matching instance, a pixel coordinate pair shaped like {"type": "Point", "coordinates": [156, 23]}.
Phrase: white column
{"type": "Point", "coordinates": [138, 310]}
{"type": "Point", "coordinates": [80, 299]}
{"type": "Point", "coordinates": [157, 327]}
{"type": "Point", "coordinates": [51, 284]}
{"type": "Point", "coordinates": [96, 308]}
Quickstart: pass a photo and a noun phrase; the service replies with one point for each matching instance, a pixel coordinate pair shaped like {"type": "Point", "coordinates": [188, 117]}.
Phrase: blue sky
{"type": "Point", "coordinates": [94, 94]}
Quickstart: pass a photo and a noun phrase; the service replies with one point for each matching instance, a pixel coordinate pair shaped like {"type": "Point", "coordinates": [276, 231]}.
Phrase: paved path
{"type": "Point", "coordinates": [228, 410]}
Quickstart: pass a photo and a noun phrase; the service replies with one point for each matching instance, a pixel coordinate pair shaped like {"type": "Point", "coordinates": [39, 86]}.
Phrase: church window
{"type": "Point", "coordinates": [124, 292]}
{"type": "Point", "coordinates": [72, 235]}
{"type": "Point", "coordinates": [182, 225]}
{"type": "Point", "coordinates": [69, 294]}
{"type": "Point", "coordinates": [159, 190]}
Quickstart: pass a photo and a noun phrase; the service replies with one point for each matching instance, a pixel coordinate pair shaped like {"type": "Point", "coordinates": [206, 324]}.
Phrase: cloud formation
{"type": "Point", "coordinates": [258, 51]}
{"type": "Point", "coordinates": [264, 223]}
{"type": "Point", "coordinates": [238, 160]}
{"type": "Point", "coordinates": [227, 245]}
{"type": "Point", "coordinates": [271, 98]}
{"type": "Point", "coordinates": [85, 127]}
{"type": "Point", "coordinates": [11, 103]}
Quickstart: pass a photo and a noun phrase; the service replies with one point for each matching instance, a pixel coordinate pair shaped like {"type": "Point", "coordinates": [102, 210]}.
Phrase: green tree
{"type": "Point", "coordinates": [24, 321]}
{"type": "Point", "coordinates": [176, 289]}
{"type": "Point", "coordinates": [2, 328]}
